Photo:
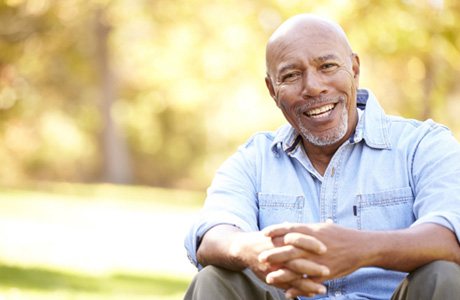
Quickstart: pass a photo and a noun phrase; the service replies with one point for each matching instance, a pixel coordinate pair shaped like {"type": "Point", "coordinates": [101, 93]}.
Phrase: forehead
{"type": "Point", "coordinates": [306, 44]}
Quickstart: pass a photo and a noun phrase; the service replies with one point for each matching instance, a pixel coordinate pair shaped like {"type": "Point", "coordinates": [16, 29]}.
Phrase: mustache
{"type": "Point", "coordinates": [317, 102]}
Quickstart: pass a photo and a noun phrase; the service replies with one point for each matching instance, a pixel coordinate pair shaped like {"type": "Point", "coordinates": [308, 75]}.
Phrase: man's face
{"type": "Point", "coordinates": [313, 77]}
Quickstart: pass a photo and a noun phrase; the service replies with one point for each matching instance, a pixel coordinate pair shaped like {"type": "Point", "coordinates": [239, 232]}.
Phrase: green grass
{"type": "Point", "coordinates": [47, 282]}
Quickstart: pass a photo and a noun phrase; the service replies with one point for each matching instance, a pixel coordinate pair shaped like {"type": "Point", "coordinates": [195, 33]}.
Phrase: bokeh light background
{"type": "Point", "coordinates": [115, 114]}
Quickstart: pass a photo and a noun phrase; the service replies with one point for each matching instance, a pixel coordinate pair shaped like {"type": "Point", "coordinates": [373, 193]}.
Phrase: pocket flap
{"type": "Point", "coordinates": [281, 201]}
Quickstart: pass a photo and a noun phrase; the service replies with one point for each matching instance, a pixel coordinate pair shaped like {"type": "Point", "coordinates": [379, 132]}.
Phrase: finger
{"type": "Point", "coordinates": [302, 287]}
{"type": "Point", "coordinates": [283, 286]}
{"type": "Point", "coordinates": [305, 266]}
{"type": "Point", "coordinates": [306, 242]}
{"type": "Point", "coordinates": [281, 276]}
{"type": "Point", "coordinates": [282, 229]}
{"type": "Point", "coordinates": [293, 293]}
{"type": "Point", "coordinates": [306, 287]}
{"type": "Point", "coordinates": [280, 255]}
{"type": "Point", "coordinates": [278, 241]}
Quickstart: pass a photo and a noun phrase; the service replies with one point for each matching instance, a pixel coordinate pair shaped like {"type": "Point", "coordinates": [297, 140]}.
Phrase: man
{"type": "Point", "coordinates": [342, 203]}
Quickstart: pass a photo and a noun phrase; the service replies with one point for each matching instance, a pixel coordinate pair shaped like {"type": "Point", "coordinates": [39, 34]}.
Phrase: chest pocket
{"type": "Point", "coordinates": [385, 210]}
{"type": "Point", "coordinates": [279, 208]}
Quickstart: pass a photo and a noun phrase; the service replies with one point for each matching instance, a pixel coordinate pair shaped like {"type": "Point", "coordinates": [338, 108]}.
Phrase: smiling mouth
{"type": "Point", "coordinates": [320, 111]}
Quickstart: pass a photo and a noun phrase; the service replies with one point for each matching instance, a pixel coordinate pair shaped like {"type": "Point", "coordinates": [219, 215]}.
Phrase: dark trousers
{"type": "Point", "coordinates": [438, 280]}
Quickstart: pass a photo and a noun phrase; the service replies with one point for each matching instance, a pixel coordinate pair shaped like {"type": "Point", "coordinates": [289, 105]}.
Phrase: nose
{"type": "Point", "coordinates": [313, 85]}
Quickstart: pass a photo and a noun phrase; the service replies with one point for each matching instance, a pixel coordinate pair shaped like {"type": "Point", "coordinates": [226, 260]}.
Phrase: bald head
{"type": "Point", "coordinates": [305, 26]}
{"type": "Point", "coordinates": [313, 77]}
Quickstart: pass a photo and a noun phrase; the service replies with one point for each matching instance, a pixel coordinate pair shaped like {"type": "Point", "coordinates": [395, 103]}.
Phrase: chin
{"type": "Point", "coordinates": [329, 138]}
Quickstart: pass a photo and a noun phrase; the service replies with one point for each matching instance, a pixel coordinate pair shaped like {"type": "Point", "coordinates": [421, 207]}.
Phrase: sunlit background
{"type": "Point", "coordinates": [115, 114]}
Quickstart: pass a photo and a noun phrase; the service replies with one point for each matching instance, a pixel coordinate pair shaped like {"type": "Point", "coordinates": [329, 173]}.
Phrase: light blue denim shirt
{"type": "Point", "coordinates": [392, 173]}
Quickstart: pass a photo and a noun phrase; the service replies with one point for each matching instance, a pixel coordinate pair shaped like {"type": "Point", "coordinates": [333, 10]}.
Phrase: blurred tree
{"type": "Point", "coordinates": [116, 161]}
{"type": "Point", "coordinates": [415, 50]}
{"type": "Point", "coordinates": [61, 123]}
{"type": "Point", "coordinates": [180, 82]}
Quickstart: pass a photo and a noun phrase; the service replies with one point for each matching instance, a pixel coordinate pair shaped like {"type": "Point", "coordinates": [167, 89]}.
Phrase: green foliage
{"type": "Point", "coordinates": [189, 78]}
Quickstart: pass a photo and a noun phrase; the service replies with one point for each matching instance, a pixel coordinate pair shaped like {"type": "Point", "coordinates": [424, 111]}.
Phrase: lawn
{"type": "Point", "coordinates": [36, 283]}
{"type": "Point", "coordinates": [69, 241]}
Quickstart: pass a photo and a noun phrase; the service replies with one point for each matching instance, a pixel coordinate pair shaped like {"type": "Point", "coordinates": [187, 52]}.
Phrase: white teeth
{"type": "Point", "coordinates": [320, 110]}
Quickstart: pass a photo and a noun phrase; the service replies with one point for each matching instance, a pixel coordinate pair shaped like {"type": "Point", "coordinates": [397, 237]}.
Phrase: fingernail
{"type": "Point", "coordinates": [322, 290]}
{"type": "Point", "coordinates": [263, 267]}
{"type": "Point", "coordinates": [322, 249]}
{"type": "Point", "coordinates": [325, 271]}
{"type": "Point", "coordinates": [261, 258]}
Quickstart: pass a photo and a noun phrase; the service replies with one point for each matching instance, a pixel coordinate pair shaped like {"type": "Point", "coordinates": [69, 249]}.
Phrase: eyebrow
{"type": "Point", "coordinates": [325, 58]}
{"type": "Point", "coordinates": [286, 67]}
{"type": "Point", "coordinates": [317, 60]}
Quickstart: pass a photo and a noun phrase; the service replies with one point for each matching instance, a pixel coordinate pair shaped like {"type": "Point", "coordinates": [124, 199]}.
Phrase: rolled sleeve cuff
{"type": "Point", "coordinates": [447, 219]}
{"type": "Point", "coordinates": [198, 230]}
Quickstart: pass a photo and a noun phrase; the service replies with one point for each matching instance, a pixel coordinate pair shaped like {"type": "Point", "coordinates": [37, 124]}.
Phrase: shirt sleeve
{"type": "Point", "coordinates": [231, 199]}
{"type": "Point", "coordinates": [436, 177]}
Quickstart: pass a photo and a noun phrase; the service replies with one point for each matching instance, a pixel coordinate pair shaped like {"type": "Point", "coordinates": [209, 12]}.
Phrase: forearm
{"type": "Point", "coordinates": [218, 248]}
{"type": "Point", "coordinates": [228, 247]}
{"type": "Point", "coordinates": [407, 249]}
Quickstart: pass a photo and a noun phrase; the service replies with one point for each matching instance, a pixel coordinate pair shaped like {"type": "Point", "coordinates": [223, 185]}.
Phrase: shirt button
{"type": "Point", "coordinates": [332, 172]}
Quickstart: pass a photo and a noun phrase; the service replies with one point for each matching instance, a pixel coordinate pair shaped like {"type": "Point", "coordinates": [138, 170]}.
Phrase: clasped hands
{"type": "Point", "coordinates": [305, 255]}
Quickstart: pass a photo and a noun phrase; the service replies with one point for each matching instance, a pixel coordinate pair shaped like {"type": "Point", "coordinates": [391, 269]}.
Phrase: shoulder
{"type": "Point", "coordinates": [415, 128]}
{"type": "Point", "coordinates": [268, 139]}
{"type": "Point", "coordinates": [260, 138]}
{"type": "Point", "coordinates": [426, 138]}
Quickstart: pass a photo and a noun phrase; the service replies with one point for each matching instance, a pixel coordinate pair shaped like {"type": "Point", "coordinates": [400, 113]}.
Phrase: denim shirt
{"type": "Point", "coordinates": [392, 173]}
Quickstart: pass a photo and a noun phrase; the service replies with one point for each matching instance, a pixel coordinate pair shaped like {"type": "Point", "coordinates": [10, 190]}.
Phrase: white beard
{"type": "Point", "coordinates": [330, 137]}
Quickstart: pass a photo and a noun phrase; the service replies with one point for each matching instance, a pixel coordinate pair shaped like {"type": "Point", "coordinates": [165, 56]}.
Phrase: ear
{"type": "Point", "coordinates": [356, 68]}
{"type": "Point", "coordinates": [271, 89]}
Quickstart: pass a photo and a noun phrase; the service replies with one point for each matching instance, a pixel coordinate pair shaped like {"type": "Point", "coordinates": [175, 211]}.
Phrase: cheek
{"type": "Point", "coordinates": [283, 106]}
{"type": "Point", "coordinates": [284, 97]}
{"type": "Point", "coordinates": [345, 80]}
{"type": "Point", "coordinates": [289, 111]}
{"type": "Point", "coordinates": [287, 108]}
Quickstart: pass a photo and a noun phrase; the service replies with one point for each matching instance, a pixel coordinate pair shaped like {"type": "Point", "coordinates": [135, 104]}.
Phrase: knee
{"type": "Point", "coordinates": [437, 276]}
{"type": "Point", "coordinates": [440, 271]}
{"type": "Point", "coordinates": [207, 284]}
{"type": "Point", "coordinates": [211, 274]}
{"type": "Point", "coordinates": [214, 277]}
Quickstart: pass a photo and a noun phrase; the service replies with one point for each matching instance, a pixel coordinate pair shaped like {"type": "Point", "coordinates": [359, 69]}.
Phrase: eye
{"type": "Point", "coordinates": [290, 77]}
{"type": "Point", "coordinates": [328, 66]}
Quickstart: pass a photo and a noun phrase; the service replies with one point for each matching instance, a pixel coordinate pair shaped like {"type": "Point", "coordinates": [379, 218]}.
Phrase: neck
{"type": "Point", "coordinates": [320, 156]}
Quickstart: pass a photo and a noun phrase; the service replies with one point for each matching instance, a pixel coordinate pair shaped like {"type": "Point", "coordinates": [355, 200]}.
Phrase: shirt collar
{"type": "Point", "coordinates": [372, 127]}
{"type": "Point", "coordinates": [286, 139]}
